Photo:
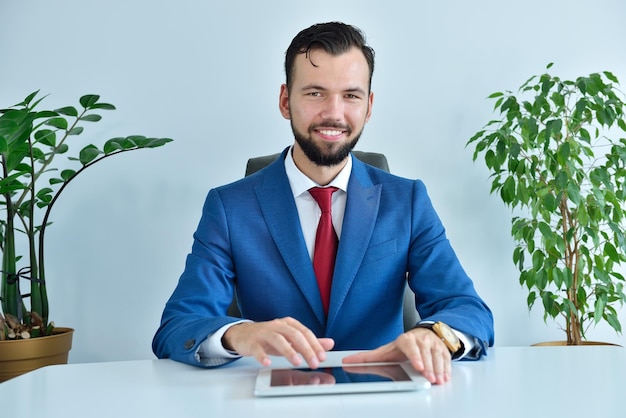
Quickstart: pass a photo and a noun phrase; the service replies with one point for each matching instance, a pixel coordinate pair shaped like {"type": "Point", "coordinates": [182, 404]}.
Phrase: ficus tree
{"type": "Point", "coordinates": [556, 154]}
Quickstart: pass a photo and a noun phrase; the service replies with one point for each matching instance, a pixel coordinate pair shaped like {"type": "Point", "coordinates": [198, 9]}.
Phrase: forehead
{"type": "Point", "coordinates": [323, 69]}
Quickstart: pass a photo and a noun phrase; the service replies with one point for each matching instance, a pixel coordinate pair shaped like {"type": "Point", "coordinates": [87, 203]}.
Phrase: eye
{"type": "Point", "coordinates": [314, 94]}
{"type": "Point", "coordinates": [351, 96]}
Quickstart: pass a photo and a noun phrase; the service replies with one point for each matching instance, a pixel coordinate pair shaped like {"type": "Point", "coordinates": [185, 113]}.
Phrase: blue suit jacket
{"type": "Point", "coordinates": [249, 239]}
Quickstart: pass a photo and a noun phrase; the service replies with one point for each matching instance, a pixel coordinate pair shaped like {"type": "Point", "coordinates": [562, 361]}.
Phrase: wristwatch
{"type": "Point", "coordinates": [449, 338]}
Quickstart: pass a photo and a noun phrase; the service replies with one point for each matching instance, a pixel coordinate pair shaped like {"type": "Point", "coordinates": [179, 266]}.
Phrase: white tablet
{"type": "Point", "coordinates": [373, 377]}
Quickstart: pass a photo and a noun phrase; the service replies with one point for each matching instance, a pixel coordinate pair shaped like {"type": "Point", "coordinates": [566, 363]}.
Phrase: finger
{"type": "Point", "coordinates": [435, 358]}
{"type": "Point", "coordinates": [274, 343]}
{"type": "Point", "coordinates": [441, 363]}
{"type": "Point", "coordinates": [301, 341]}
{"type": "Point", "coordinates": [304, 342]}
{"type": "Point", "coordinates": [260, 340]}
{"type": "Point", "coordinates": [412, 349]}
{"type": "Point", "coordinates": [326, 343]}
{"type": "Point", "coordinates": [381, 354]}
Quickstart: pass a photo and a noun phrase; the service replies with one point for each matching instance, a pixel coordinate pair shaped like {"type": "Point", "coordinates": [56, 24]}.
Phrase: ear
{"type": "Point", "coordinates": [283, 102]}
{"type": "Point", "coordinates": [370, 103]}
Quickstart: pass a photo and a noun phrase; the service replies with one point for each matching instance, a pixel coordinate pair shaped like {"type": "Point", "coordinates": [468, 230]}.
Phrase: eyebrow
{"type": "Point", "coordinates": [318, 87]}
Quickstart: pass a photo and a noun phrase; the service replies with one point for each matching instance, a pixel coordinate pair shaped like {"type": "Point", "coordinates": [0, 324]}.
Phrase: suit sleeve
{"type": "Point", "coordinates": [197, 307]}
{"type": "Point", "coordinates": [443, 290]}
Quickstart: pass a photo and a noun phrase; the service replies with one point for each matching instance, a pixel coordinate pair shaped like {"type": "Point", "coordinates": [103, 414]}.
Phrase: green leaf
{"type": "Point", "coordinates": [611, 252]}
{"type": "Point", "coordinates": [91, 118]}
{"type": "Point", "coordinates": [45, 195]}
{"type": "Point", "coordinates": [45, 114]}
{"type": "Point", "coordinates": [158, 142]}
{"type": "Point", "coordinates": [112, 145]}
{"type": "Point", "coordinates": [88, 100]}
{"type": "Point", "coordinates": [563, 153]}
{"type": "Point", "coordinates": [561, 180]}
{"type": "Point", "coordinates": [507, 193]}
{"type": "Point", "coordinates": [599, 309]}
{"type": "Point", "coordinates": [510, 102]}
{"type": "Point", "coordinates": [103, 106]}
{"type": "Point", "coordinates": [138, 140]}
{"type": "Point", "coordinates": [613, 321]}
{"type": "Point", "coordinates": [550, 202]}
{"type": "Point", "coordinates": [518, 256]}
{"type": "Point", "coordinates": [68, 111]}
{"type": "Point", "coordinates": [30, 97]}
{"type": "Point", "coordinates": [548, 304]}
{"type": "Point", "coordinates": [76, 130]}
{"type": "Point", "coordinates": [59, 122]}
{"type": "Point", "coordinates": [553, 128]}
{"type": "Point", "coordinates": [43, 191]}
{"type": "Point", "coordinates": [581, 295]}
{"type": "Point", "coordinates": [67, 174]}
{"type": "Point", "coordinates": [573, 193]}
{"type": "Point", "coordinates": [55, 180]}
{"type": "Point", "coordinates": [88, 154]}
{"type": "Point", "coordinates": [538, 258]}
{"type": "Point", "coordinates": [46, 137]}
{"type": "Point", "coordinates": [611, 77]}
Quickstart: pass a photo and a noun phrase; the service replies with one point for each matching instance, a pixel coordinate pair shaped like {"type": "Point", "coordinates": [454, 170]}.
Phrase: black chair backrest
{"type": "Point", "coordinates": [371, 158]}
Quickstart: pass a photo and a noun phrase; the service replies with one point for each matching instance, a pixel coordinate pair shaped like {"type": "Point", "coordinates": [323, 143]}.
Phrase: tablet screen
{"type": "Point", "coordinates": [339, 375]}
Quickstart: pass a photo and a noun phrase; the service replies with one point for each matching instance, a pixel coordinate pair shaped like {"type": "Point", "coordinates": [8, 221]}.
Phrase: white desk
{"type": "Point", "coordinates": [511, 382]}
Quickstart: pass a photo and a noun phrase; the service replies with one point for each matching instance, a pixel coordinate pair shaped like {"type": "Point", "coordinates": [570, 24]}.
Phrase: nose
{"type": "Point", "coordinates": [333, 108]}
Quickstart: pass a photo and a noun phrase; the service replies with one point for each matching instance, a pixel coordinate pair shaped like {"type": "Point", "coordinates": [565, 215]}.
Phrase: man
{"type": "Point", "coordinates": [257, 237]}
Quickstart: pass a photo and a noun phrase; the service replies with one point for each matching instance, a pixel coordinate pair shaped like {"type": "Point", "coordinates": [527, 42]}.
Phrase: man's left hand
{"type": "Point", "coordinates": [421, 347]}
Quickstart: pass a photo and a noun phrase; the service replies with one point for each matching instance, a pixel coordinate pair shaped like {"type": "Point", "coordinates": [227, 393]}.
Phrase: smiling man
{"type": "Point", "coordinates": [319, 246]}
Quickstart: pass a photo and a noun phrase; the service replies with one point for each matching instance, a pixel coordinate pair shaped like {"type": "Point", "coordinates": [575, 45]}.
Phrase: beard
{"type": "Point", "coordinates": [325, 155]}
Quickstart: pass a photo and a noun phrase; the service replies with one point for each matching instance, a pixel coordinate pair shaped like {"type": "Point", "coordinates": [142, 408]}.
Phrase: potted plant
{"type": "Point", "coordinates": [557, 157]}
{"type": "Point", "coordinates": [33, 177]}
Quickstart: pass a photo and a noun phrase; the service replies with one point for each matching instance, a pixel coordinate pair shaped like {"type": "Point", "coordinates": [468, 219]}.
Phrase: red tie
{"type": "Point", "coordinates": [326, 243]}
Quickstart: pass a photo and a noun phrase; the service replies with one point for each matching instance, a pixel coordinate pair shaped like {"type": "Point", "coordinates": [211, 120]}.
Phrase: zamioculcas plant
{"type": "Point", "coordinates": [557, 157]}
{"type": "Point", "coordinates": [31, 180]}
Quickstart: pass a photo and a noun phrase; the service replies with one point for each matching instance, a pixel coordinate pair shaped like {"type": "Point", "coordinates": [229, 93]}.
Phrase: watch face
{"type": "Point", "coordinates": [447, 333]}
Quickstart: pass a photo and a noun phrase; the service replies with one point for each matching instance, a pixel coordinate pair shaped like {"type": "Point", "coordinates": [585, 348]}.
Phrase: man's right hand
{"type": "Point", "coordinates": [285, 337]}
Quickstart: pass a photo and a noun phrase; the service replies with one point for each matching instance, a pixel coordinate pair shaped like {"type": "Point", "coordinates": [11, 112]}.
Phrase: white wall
{"type": "Point", "coordinates": [207, 73]}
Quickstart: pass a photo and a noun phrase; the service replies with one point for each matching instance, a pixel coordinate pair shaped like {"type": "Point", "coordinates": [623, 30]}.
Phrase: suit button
{"type": "Point", "coordinates": [189, 344]}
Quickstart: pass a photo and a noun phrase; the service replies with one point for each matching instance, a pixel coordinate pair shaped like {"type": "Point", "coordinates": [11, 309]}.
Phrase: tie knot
{"type": "Point", "coordinates": [323, 196]}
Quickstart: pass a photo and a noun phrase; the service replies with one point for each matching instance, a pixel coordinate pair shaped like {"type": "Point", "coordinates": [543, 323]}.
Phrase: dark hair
{"type": "Point", "coordinates": [334, 38]}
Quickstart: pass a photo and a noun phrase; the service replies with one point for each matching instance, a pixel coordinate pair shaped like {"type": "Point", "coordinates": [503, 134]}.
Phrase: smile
{"type": "Point", "coordinates": [330, 132]}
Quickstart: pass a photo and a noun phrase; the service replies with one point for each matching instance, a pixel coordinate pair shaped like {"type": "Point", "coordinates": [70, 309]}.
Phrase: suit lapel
{"type": "Point", "coordinates": [281, 216]}
{"type": "Point", "coordinates": [358, 225]}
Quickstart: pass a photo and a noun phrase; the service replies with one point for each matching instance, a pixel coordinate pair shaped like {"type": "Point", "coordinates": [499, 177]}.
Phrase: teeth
{"type": "Point", "coordinates": [330, 133]}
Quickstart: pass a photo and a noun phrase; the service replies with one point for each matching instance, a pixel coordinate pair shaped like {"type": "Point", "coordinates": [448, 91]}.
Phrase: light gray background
{"type": "Point", "coordinates": [207, 73]}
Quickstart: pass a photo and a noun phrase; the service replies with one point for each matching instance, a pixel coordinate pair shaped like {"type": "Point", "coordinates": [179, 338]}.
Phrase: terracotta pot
{"type": "Point", "coordinates": [21, 356]}
{"type": "Point", "coordinates": [563, 343]}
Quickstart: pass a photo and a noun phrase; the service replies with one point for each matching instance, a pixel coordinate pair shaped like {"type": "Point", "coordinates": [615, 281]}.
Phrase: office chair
{"type": "Point", "coordinates": [372, 158]}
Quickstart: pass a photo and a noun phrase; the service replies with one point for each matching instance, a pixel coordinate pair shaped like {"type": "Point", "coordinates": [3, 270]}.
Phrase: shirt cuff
{"type": "Point", "coordinates": [211, 351]}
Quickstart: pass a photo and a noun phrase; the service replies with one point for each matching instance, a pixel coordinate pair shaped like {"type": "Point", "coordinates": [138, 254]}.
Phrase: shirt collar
{"type": "Point", "coordinates": [300, 183]}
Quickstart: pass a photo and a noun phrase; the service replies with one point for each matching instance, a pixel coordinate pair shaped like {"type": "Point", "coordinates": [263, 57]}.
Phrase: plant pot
{"type": "Point", "coordinates": [564, 343]}
{"type": "Point", "coordinates": [21, 356]}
